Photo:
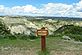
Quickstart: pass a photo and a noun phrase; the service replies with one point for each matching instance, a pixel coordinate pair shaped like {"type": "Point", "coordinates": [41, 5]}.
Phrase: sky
{"type": "Point", "coordinates": [64, 8]}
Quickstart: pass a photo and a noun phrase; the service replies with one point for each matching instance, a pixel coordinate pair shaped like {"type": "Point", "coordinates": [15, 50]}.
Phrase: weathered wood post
{"type": "Point", "coordinates": [43, 32]}
{"type": "Point", "coordinates": [43, 43]}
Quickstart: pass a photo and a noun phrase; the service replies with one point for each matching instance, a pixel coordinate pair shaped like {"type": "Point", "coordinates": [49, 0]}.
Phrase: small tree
{"type": "Point", "coordinates": [4, 31]}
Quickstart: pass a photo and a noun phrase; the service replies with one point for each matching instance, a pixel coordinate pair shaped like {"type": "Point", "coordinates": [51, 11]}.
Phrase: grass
{"type": "Point", "coordinates": [19, 43]}
{"type": "Point", "coordinates": [55, 45]}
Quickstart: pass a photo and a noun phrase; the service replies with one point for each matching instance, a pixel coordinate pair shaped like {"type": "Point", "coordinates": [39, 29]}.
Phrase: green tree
{"type": "Point", "coordinates": [4, 31]}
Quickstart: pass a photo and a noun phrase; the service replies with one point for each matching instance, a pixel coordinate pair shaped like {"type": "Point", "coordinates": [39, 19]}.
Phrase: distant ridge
{"type": "Point", "coordinates": [47, 17]}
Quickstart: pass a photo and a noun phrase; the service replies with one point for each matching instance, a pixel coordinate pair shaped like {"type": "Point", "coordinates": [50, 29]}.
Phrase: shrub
{"type": "Point", "coordinates": [2, 36]}
{"type": "Point", "coordinates": [74, 32]}
{"type": "Point", "coordinates": [75, 37]}
{"type": "Point", "coordinates": [20, 36]}
{"type": "Point", "coordinates": [12, 37]}
{"type": "Point", "coordinates": [32, 36]}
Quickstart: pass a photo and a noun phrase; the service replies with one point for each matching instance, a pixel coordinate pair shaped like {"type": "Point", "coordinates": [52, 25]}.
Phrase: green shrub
{"type": "Point", "coordinates": [12, 37]}
{"type": "Point", "coordinates": [55, 35]}
{"type": "Point", "coordinates": [2, 36]}
{"type": "Point", "coordinates": [20, 36]}
{"type": "Point", "coordinates": [32, 36]}
{"type": "Point", "coordinates": [75, 37]}
{"type": "Point", "coordinates": [24, 37]}
{"type": "Point", "coordinates": [74, 32]}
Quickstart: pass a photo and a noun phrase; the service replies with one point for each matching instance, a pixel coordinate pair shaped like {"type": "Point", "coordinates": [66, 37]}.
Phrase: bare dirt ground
{"type": "Point", "coordinates": [17, 51]}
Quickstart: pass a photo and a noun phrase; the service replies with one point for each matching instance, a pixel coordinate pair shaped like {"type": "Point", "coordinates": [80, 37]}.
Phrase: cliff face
{"type": "Point", "coordinates": [26, 26]}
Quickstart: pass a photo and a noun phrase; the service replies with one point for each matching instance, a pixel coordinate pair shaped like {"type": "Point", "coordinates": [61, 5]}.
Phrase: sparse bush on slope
{"type": "Point", "coordinates": [4, 31]}
{"type": "Point", "coordinates": [32, 36]}
{"type": "Point", "coordinates": [74, 32]}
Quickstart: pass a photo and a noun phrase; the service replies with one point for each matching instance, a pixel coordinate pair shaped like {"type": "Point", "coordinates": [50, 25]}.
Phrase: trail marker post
{"type": "Point", "coordinates": [43, 32]}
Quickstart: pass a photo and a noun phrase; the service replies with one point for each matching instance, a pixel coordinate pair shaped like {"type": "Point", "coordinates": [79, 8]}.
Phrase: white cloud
{"type": "Point", "coordinates": [2, 8]}
{"type": "Point", "coordinates": [57, 8]}
{"type": "Point", "coordinates": [30, 9]}
{"type": "Point", "coordinates": [79, 5]}
{"type": "Point", "coordinates": [50, 9]}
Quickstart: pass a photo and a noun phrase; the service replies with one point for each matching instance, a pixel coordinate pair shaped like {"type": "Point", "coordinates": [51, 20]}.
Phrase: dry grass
{"type": "Point", "coordinates": [55, 46]}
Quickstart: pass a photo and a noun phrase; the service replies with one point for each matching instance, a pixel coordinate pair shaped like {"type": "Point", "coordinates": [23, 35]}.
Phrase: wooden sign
{"type": "Point", "coordinates": [42, 32]}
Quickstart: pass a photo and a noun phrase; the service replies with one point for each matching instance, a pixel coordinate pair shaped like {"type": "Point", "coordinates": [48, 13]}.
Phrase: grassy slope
{"type": "Point", "coordinates": [27, 47]}
{"type": "Point", "coordinates": [74, 32]}
{"type": "Point", "coordinates": [67, 29]}
{"type": "Point", "coordinates": [55, 45]}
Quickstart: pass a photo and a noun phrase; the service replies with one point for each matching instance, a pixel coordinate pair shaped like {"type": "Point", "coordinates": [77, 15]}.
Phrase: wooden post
{"type": "Point", "coordinates": [43, 43]}
{"type": "Point", "coordinates": [43, 32]}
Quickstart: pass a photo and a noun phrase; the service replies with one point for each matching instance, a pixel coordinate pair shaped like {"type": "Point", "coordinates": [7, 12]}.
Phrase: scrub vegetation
{"type": "Point", "coordinates": [23, 41]}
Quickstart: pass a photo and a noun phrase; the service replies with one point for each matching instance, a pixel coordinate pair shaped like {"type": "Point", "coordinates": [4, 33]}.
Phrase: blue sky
{"type": "Point", "coordinates": [67, 8]}
{"type": "Point", "coordinates": [11, 3]}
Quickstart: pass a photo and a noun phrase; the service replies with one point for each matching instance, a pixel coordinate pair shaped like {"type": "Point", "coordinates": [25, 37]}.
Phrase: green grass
{"type": "Point", "coordinates": [51, 42]}
{"type": "Point", "coordinates": [33, 47]}
{"type": "Point", "coordinates": [19, 43]}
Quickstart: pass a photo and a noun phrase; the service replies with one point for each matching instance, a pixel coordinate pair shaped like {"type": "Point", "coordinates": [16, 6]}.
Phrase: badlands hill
{"type": "Point", "coordinates": [57, 26]}
{"type": "Point", "coordinates": [27, 25]}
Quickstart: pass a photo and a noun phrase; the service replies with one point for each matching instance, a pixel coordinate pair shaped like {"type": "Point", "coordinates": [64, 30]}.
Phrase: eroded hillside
{"type": "Point", "coordinates": [29, 25]}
